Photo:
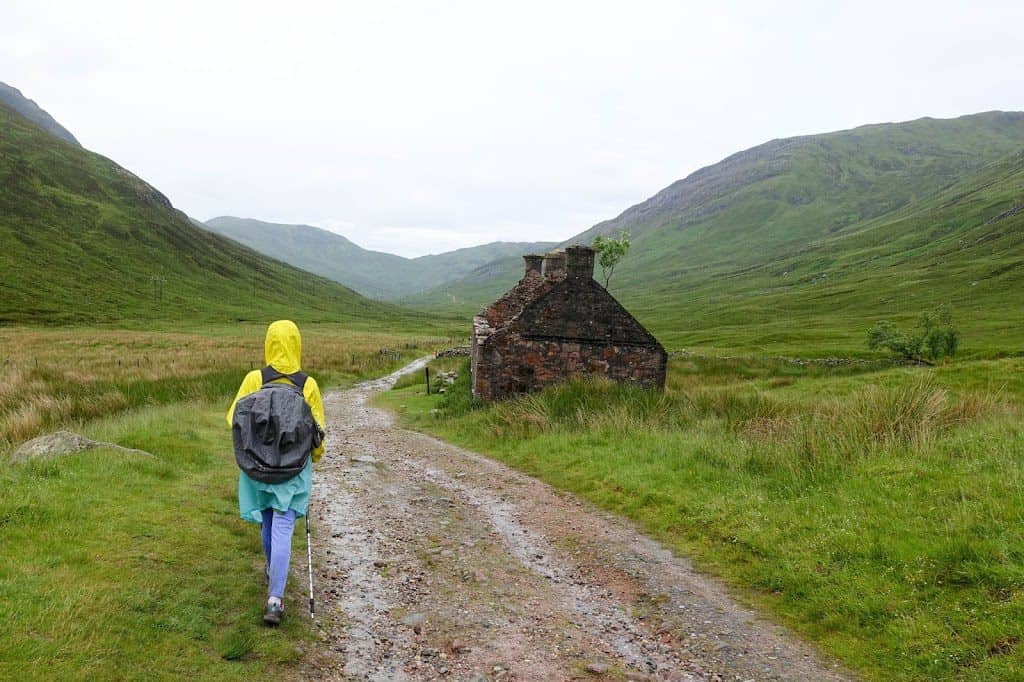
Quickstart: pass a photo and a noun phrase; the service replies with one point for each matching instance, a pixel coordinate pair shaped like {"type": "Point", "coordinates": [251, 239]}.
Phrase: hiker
{"type": "Point", "coordinates": [276, 504]}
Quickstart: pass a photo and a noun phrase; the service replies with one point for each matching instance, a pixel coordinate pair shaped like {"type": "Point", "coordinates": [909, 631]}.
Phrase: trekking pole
{"type": "Point", "coordinates": [309, 563]}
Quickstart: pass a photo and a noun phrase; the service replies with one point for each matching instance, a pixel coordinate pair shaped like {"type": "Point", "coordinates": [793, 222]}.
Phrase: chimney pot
{"type": "Point", "coordinates": [554, 264]}
{"type": "Point", "coordinates": [579, 262]}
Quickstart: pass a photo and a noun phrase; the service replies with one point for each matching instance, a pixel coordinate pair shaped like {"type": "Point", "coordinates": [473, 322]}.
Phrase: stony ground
{"type": "Point", "coordinates": [432, 562]}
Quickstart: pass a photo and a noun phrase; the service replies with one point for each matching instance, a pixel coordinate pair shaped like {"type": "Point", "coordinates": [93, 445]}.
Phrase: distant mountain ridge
{"type": "Point", "coordinates": [28, 109]}
{"type": "Point", "coordinates": [798, 228]}
{"type": "Point", "coordinates": [380, 275]}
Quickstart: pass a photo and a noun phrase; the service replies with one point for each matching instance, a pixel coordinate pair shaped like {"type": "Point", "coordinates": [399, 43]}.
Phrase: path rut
{"type": "Point", "coordinates": [433, 562]}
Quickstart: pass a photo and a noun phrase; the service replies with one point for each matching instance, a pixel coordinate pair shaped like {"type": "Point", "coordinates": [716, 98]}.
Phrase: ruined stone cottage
{"type": "Point", "coordinates": [559, 322]}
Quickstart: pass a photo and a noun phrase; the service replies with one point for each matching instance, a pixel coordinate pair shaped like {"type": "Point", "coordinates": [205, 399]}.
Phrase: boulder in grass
{"type": "Point", "coordinates": [61, 443]}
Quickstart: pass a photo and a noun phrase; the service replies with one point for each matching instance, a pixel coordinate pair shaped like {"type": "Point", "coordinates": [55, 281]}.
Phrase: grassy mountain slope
{"type": "Point", "coordinates": [455, 264]}
{"type": "Point", "coordinates": [469, 293]}
{"type": "Point", "coordinates": [372, 273]}
{"type": "Point", "coordinates": [82, 239]}
{"type": "Point", "coordinates": [28, 109]}
{"type": "Point", "coordinates": [800, 243]}
{"type": "Point", "coordinates": [325, 253]}
{"type": "Point", "coordinates": [964, 246]}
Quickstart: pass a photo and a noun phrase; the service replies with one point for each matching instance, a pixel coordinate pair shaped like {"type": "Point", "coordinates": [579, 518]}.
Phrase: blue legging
{"type": "Point", "coordinates": [277, 546]}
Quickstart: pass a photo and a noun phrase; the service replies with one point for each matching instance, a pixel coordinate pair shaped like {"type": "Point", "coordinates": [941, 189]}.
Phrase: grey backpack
{"type": "Point", "coordinates": [273, 429]}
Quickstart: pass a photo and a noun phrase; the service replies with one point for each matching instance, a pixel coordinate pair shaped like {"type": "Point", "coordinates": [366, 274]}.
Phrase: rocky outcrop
{"type": "Point", "coordinates": [60, 443]}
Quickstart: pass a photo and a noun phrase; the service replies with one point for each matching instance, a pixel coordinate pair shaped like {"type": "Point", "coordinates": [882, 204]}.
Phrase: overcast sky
{"type": "Point", "coordinates": [420, 127]}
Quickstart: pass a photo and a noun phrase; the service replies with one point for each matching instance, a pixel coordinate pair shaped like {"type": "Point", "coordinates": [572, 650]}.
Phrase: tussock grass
{"type": "Point", "coordinates": [877, 509]}
{"type": "Point", "coordinates": [875, 418]}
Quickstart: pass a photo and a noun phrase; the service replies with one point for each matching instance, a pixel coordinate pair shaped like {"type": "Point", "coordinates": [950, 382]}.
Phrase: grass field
{"type": "Point", "coordinates": [876, 509]}
{"type": "Point", "coordinates": [123, 567]}
{"type": "Point", "coordinates": [64, 376]}
{"type": "Point", "coordinates": [116, 566]}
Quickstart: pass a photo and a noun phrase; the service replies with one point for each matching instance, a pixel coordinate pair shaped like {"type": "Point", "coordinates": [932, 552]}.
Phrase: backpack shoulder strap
{"type": "Point", "coordinates": [268, 374]}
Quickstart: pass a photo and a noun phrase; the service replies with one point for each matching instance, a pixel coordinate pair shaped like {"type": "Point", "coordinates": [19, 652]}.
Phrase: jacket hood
{"type": "Point", "coordinates": [283, 347]}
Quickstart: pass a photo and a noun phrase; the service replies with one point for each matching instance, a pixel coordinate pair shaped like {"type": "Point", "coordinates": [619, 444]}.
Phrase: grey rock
{"type": "Point", "coordinates": [62, 443]}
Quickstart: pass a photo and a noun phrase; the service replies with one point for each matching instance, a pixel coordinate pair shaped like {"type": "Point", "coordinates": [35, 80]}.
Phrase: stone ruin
{"type": "Point", "coordinates": [556, 323]}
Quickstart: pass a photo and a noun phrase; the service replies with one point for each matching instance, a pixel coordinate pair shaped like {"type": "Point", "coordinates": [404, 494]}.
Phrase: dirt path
{"type": "Point", "coordinates": [432, 562]}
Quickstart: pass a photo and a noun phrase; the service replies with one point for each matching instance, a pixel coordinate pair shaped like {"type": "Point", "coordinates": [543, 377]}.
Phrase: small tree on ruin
{"type": "Point", "coordinates": [610, 252]}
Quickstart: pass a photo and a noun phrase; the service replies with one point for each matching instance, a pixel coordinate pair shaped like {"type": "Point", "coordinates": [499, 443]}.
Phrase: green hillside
{"type": "Point", "coordinates": [383, 276]}
{"type": "Point", "coordinates": [801, 243]}
{"type": "Point", "coordinates": [471, 292]}
{"type": "Point", "coordinates": [962, 246]}
{"type": "Point", "coordinates": [84, 240]}
{"type": "Point", "coordinates": [28, 109]}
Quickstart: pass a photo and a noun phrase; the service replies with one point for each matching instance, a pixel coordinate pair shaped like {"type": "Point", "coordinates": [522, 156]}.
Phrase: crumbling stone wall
{"type": "Point", "coordinates": [498, 314]}
{"type": "Point", "coordinates": [512, 364]}
{"type": "Point", "coordinates": [549, 328]}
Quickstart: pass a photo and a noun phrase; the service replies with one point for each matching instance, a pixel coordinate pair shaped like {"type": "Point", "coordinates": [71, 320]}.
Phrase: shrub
{"type": "Point", "coordinates": [933, 339]}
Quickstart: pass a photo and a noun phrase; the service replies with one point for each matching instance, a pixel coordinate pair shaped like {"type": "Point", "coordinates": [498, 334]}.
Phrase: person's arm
{"type": "Point", "coordinates": [250, 384]}
{"type": "Point", "coordinates": [316, 406]}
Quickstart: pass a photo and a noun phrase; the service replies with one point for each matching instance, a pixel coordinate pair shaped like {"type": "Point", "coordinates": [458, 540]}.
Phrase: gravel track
{"type": "Point", "coordinates": [433, 562]}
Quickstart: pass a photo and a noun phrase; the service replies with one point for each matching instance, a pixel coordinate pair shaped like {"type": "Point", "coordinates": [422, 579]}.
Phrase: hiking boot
{"type": "Point", "coordinates": [273, 613]}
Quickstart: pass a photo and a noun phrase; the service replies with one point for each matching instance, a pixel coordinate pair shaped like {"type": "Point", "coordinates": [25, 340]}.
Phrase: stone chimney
{"type": "Point", "coordinates": [579, 262]}
{"type": "Point", "coordinates": [533, 263]}
{"type": "Point", "coordinates": [554, 265]}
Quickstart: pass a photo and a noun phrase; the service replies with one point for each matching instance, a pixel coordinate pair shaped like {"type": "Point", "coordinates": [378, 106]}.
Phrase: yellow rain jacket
{"type": "Point", "coordinates": [283, 352]}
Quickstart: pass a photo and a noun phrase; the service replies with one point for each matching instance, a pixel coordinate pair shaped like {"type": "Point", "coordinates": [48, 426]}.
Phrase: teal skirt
{"type": "Point", "coordinates": [254, 496]}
